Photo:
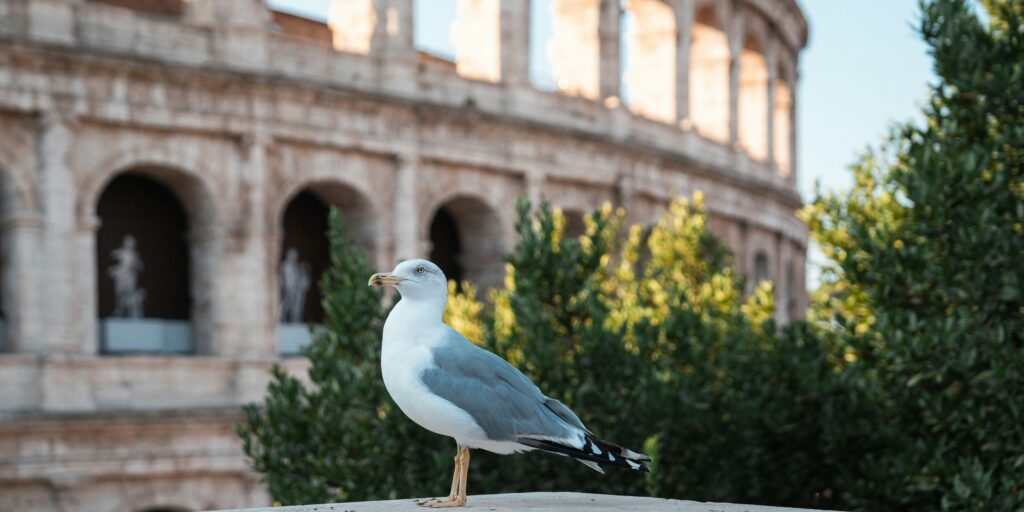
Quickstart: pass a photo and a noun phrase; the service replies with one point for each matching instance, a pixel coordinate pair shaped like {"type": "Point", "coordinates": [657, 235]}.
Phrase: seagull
{"type": "Point", "coordinates": [452, 387]}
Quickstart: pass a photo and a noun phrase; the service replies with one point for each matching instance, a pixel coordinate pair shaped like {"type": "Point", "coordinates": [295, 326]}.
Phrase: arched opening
{"type": "Point", "coordinates": [782, 120]}
{"type": "Point", "coordinates": [305, 254]}
{"type": "Point", "coordinates": [709, 75]}
{"type": "Point", "coordinates": [574, 50]}
{"type": "Point", "coordinates": [649, 55]}
{"type": "Point", "coordinates": [477, 37]}
{"type": "Point", "coordinates": [542, 36]}
{"type": "Point", "coordinates": [432, 29]}
{"type": "Point", "coordinates": [143, 268]}
{"type": "Point", "coordinates": [466, 241]}
{"type": "Point", "coordinates": [446, 245]}
{"type": "Point", "coordinates": [753, 100]}
{"type": "Point", "coordinates": [575, 223]}
{"type": "Point", "coordinates": [762, 269]}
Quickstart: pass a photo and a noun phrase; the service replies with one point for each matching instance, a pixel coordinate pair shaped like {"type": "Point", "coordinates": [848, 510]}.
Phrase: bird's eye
{"type": "Point", "coordinates": [420, 270]}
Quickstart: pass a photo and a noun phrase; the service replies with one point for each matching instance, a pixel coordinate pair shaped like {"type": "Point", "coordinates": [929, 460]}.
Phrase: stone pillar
{"type": "Point", "coordinates": [534, 186]}
{"type": "Point", "coordinates": [770, 117]}
{"type": "Point", "coordinates": [515, 42]}
{"type": "Point", "coordinates": [208, 311]}
{"type": "Point", "coordinates": [405, 223]}
{"type": "Point", "coordinates": [53, 265]}
{"type": "Point", "coordinates": [791, 136]}
{"type": "Point", "coordinates": [735, 52]}
{"type": "Point", "coordinates": [609, 59]}
{"type": "Point", "coordinates": [246, 328]}
{"type": "Point", "coordinates": [392, 45]}
{"type": "Point", "coordinates": [684, 10]}
{"type": "Point", "coordinates": [239, 28]}
{"type": "Point", "coordinates": [88, 309]}
{"type": "Point", "coordinates": [392, 34]}
{"type": "Point", "coordinates": [22, 301]}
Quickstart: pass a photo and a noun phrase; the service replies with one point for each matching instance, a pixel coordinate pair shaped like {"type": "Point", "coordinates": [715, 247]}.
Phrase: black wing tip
{"type": "Point", "coordinates": [595, 451]}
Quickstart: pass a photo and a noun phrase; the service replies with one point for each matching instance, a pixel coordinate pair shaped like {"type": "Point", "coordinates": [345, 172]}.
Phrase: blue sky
{"type": "Point", "coordinates": [864, 69]}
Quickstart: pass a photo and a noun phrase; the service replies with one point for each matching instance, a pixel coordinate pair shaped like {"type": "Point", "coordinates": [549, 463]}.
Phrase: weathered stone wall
{"type": "Point", "coordinates": [236, 114]}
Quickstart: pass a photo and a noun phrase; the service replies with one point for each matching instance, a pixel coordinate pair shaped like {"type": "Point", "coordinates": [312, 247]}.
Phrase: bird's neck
{"type": "Point", "coordinates": [419, 311]}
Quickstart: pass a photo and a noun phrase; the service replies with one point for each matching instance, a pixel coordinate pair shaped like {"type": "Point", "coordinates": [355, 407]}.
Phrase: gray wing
{"type": "Point", "coordinates": [499, 397]}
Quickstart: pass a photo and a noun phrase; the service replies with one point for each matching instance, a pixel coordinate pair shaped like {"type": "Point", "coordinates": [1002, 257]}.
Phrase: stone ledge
{"type": "Point", "coordinates": [539, 502]}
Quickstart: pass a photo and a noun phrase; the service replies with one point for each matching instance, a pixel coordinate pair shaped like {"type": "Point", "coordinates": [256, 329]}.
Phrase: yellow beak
{"type": "Point", "coordinates": [384, 279]}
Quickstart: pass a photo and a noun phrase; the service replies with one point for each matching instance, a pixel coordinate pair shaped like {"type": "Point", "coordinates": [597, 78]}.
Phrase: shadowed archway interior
{"type": "Point", "coordinates": [446, 245]}
{"type": "Point", "coordinates": [142, 208]}
{"type": "Point", "coordinates": [305, 231]}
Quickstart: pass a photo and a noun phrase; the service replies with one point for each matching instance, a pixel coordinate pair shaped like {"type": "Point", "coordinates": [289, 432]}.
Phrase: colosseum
{"type": "Point", "coordinates": [166, 166]}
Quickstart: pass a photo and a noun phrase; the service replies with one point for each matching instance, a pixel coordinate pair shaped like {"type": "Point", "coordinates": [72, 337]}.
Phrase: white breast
{"type": "Point", "coordinates": [406, 353]}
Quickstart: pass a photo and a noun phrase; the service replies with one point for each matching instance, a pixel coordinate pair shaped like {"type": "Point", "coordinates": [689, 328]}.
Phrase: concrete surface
{"type": "Point", "coordinates": [539, 502]}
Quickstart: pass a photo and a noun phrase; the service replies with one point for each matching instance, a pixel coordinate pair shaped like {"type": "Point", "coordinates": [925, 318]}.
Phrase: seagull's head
{"type": "Point", "coordinates": [415, 279]}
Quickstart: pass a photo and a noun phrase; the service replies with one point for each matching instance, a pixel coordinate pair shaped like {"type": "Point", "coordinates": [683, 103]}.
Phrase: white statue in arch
{"type": "Point", "coordinates": [125, 271]}
{"type": "Point", "coordinates": [295, 281]}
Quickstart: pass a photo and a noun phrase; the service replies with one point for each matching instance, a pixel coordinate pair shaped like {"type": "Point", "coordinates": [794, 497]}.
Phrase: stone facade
{"type": "Point", "coordinates": [236, 110]}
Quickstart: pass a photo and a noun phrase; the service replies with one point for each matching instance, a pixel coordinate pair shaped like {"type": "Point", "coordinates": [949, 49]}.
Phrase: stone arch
{"type": "Point", "coordinates": [181, 172]}
{"type": "Point", "coordinates": [651, 74]}
{"type": "Point", "coordinates": [359, 213]}
{"type": "Point", "coordinates": [710, 60]}
{"type": "Point", "coordinates": [466, 236]}
{"type": "Point", "coordinates": [753, 104]}
{"type": "Point", "coordinates": [187, 176]}
{"type": "Point", "coordinates": [302, 251]}
{"type": "Point", "coordinates": [170, 216]}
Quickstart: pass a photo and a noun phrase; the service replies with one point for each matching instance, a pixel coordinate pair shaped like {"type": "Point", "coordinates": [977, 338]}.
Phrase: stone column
{"type": "Point", "coordinates": [22, 301]}
{"type": "Point", "coordinates": [393, 30]}
{"type": "Point", "coordinates": [57, 283]}
{"type": "Point", "coordinates": [735, 51]}
{"type": "Point", "coordinates": [392, 45]}
{"type": "Point", "coordinates": [609, 59]}
{"type": "Point", "coordinates": [770, 118]}
{"type": "Point", "coordinates": [247, 326]}
{"type": "Point", "coordinates": [88, 309]}
{"type": "Point", "coordinates": [515, 42]}
{"type": "Point", "coordinates": [791, 136]}
{"type": "Point", "coordinates": [405, 223]}
{"type": "Point", "coordinates": [534, 186]}
{"type": "Point", "coordinates": [684, 10]}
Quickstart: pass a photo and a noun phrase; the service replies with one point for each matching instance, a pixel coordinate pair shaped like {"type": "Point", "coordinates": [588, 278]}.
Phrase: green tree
{"type": "Point", "coordinates": [927, 255]}
{"type": "Point", "coordinates": [648, 338]}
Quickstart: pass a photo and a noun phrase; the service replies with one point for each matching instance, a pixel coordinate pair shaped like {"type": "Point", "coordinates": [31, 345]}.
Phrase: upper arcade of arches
{"type": "Point", "coordinates": [699, 65]}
